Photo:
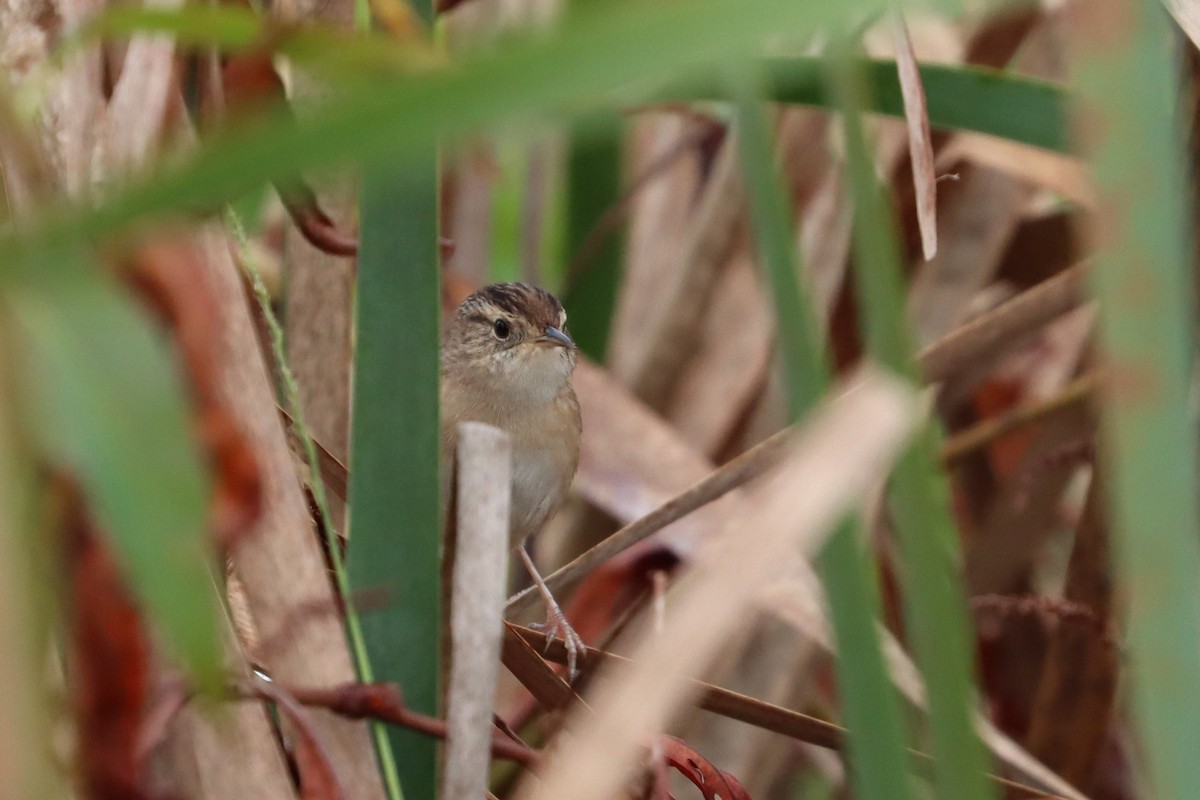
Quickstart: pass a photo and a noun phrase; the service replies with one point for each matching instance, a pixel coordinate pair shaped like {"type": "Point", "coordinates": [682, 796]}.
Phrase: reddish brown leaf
{"type": "Point", "coordinates": [252, 86]}
{"type": "Point", "coordinates": [313, 223]}
{"type": "Point", "coordinates": [251, 83]}
{"type": "Point", "coordinates": [612, 587]}
{"type": "Point", "coordinates": [169, 278]}
{"type": "Point", "coordinates": [318, 778]}
{"type": "Point", "coordinates": [711, 781]}
{"type": "Point", "coordinates": [109, 664]}
{"type": "Point", "coordinates": [385, 702]}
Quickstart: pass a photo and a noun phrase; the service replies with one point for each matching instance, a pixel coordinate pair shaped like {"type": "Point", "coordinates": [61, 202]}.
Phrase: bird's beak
{"type": "Point", "coordinates": [556, 337]}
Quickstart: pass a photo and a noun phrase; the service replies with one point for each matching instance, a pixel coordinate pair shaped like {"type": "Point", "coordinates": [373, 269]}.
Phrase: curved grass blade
{"type": "Point", "coordinates": [102, 399]}
{"type": "Point", "coordinates": [872, 710]}
{"type": "Point", "coordinates": [236, 28]}
{"type": "Point", "coordinates": [1144, 279]}
{"type": "Point", "coordinates": [935, 601]}
{"type": "Point", "coordinates": [958, 97]}
{"type": "Point", "coordinates": [379, 119]}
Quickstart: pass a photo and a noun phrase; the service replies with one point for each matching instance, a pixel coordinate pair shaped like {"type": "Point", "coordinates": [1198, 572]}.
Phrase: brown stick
{"type": "Point", "coordinates": [384, 702]}
{"type": "Point", "coordinates": [964, 348]}
{"type": "Point", "coordinates": [738, 472]}
{"type": "Point", "coordinates": [1075, 699]}
{"type": "Point", "coordinates": [318, 778]}
{"type": "Point", "coordinates": [762, 457]}
{"type": "Point", "coordinates": [983, 433]}
{"type": "Point", "coordinates": [751, 710]}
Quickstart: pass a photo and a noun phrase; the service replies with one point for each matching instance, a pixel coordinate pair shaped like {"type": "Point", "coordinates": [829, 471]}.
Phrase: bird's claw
{"type": "Point", "coordinates": [556, 626]}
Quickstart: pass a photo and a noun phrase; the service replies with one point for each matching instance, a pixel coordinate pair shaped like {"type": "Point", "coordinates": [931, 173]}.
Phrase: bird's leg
{"type": "Point", "coordinates": [556, 621]}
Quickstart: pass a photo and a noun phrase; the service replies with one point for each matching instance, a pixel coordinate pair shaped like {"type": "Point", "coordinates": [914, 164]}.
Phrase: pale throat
{"type": "Point", "coordinates": [536, 378]}
{"type": "Point", "coordinates": [513, 382]}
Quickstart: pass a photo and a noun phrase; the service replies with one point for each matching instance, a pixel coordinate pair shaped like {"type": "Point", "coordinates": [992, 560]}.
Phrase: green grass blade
{"type": "Point", "coordinates": [871, 708]}
{"type": "Point", "coordinates": [28, 607]}
{"type": "Point", "coordinates": [508, 197]}
{"type": "Point", "coordinates": [227, 27]}
{"type": "Point", "coordinates": [394, 525]}
{"type": "Point", "coordinates": [103, 399]}
{"type": "Point", "coordinates": [614, 46]}
{"type": "Point", "coordinates": [935, 602]}
{"type": "Point", "coordinates": [1143, 278]}
{"type": "Point", "coordinates": [594, 186]}
{"type": "Point", "coordinates": [959, 97]}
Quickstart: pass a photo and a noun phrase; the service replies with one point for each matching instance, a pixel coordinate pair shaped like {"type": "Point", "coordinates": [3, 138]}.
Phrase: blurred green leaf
{"type": "Point", "coordinates": [1145, 281]}
{"type": "Point", "coordinates": [223, 26]}
{"type": "Point", "coordinates": [968, 98]}
{"type": "Point", "coordinates": [871, 708]}
{"type": "Point", "coordinates": [28, 611]}
{"type": "Point", "coordinates": [607, 48]}
{"type": "Point", "coordinates": [919, 498]}
{"type": "Point", "coordinates": [103, 399]}
{"type": "Point", "coordinates": [236, 28]}
{"type": "Point", "coordinates": [508, 198]}
{"type": "Point", "coordinates": [593, 189]}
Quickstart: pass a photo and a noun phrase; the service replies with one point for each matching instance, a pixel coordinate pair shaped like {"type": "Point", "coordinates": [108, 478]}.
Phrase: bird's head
{"type": "Point", "coordinates": [512, 339]}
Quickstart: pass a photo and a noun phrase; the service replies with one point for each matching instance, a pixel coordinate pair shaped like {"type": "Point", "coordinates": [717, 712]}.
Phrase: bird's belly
{"type": "Point", "coordinates": [537, 488]}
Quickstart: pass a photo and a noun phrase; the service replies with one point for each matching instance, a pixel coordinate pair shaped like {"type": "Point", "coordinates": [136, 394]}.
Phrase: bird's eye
{"type": "Point", "coordinates": [501, 329]}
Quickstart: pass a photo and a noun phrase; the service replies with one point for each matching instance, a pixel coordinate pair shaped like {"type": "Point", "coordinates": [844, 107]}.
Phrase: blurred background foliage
{"type": "Point", "coordinates": [230, 233]}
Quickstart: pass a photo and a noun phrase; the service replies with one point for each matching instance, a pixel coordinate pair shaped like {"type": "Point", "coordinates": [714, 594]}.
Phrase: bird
{"type": "Point", "coordinates": [507, 360]}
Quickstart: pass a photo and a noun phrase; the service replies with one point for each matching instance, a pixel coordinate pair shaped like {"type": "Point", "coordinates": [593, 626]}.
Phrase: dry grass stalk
{"type": "Point", "coordinates": [1024, 513]}
{"type": "Point", "coordinates": [714, 699]}
{"type": "Point", "coordinates": [1062, 174]}
{"type": "Point", "coordinates": [668, 340]}
{"type": "Point", "coordinates": [1075, 700]}
{"type": "Point", "coordinates": [144, 92]}
{"type": "Point", "coordinates": [734, 353]}
{"type": "Point", "coordinates": [209, 753]}
{"type": "Point", "coordinates": [1187, 14]}
{"type": "Point", "coordinates": [967, 354]}
{"type": "Point", "coordinates": [920, 142]}
{"type": "Point", "coordinates": [980, 435]}
{"type": "Point", "coordinates": [979, 217]}
{"type": "Point", "coordinates": [317, 324]}
{"type": "Point", "coordinates": [843, 451]}
{"type": "Point", "coordinates": [658, 225]}
{"type": "Point", "coordinates": [798, 600]}
{"type": "Point", "coordinates": [77, 104]}
{"type": "Point", "coordinates": [483, 481]}
{"type": "Point", "coordinates": [230, 754]}
{"type": "Point", "coordinates": [631, 459]}
{"type": "Point", "coordinates": [714, 485]}
{"type": "Point", "coordinates": [318, 293]}
{"type": "Point", "coordinates": [281, 564]}
{"type": "Point", "coordinates": [1031, 778]}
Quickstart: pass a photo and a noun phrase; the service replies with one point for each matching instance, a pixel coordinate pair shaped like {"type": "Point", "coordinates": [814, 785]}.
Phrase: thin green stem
{"type": "Point", "coordinates": [877, 753]}
{"type": "Point", "coordinates": [935, 601]}
{"type": "Point", "coordinates": [291, 395]}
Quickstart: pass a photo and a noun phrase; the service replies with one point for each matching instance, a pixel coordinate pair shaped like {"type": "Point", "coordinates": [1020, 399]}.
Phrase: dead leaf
{"type": "Point", "coordinates": [170, 278]}
{"type": "Point", "coordinates": [712, 782]}
{"type": "Point", "coordinates": [109, 662]}
{"type": "Point", "coordinates": [794, 508]}
{"type": "Point", "coordinates": [318, 778]}
{"type": "Point", "coordinates": [920, 143]}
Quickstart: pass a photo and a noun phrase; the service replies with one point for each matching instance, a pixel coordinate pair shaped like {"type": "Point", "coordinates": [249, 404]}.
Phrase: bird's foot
{"type": "Point", "coordinates": [556, 626]}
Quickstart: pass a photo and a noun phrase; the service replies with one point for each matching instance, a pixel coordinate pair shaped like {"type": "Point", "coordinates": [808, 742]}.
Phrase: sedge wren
{"type": "Point", "coordinates": [506, 361]}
